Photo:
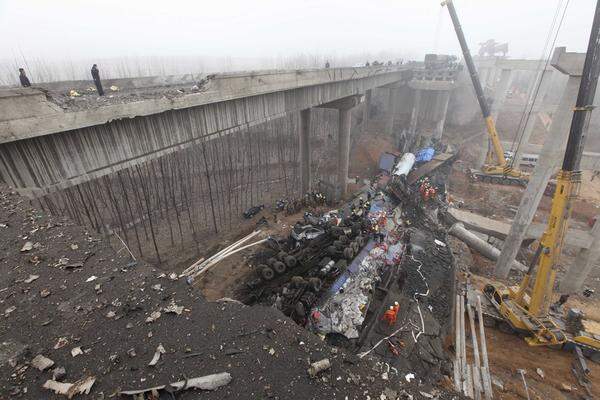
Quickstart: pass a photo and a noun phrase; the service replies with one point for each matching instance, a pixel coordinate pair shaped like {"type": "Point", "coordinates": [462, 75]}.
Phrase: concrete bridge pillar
{"type": "Point", "coordinates": [551, 154]}
{"type": "Point", "coordinates": [344, 107]}
{"type": "Point", "coordinates": [414, 116]}
{"type": "Point", "coordinates": [305, 176]}
{"type": "Point", "coordinates": [443, 98]}
{"type": "Point", "coordinates": [392, 102]}
{"type": "Point", "coordinates": [585, 261]}
{"type": "Point", "coordinates": [366, 110]}
{"type": "Point", "coordinates": [344, 125]}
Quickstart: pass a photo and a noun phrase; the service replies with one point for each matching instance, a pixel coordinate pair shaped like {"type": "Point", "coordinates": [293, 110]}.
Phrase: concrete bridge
{"type": "Point", "coordinates": [47, 146]}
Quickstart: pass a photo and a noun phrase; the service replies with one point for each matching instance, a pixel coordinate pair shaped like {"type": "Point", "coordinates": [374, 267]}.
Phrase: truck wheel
{"type": "Point", "coordinates": [267, 273]}
{"type": "Point", "coordinates": [279, 267]}
{"type": "Point", "coordinates": [315, 284]}
{"type": "Point", "coordinates": [336, 231]}
{"type": "Point", "coordinates": [348, 253]}
{"type": "Point", "coordinates": [338, 244]}
{"type": "Point", "coordinates": [290, 261]}
{"type": "Point", "coordinates": [344, 239]}
{"type": "Point", "coordinates": [281, 255]}
{"type": "Point", "coordinates": [271, 261]}
{"type": "Point", "coordinates": [361, 241]}
{"type": "Point", "coordinates": [355, 247]}
{"type": "Point", "coordinates": [332, 250]}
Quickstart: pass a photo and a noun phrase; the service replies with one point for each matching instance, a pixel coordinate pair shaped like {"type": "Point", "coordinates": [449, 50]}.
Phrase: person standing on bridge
{"type": "Point", "coordinates": [23, 78]}
{"type": "Point", "coordinates": [96, 78]}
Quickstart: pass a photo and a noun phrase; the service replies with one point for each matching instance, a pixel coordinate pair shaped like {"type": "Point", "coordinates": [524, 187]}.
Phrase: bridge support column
{"type": "Point", "coordinates": [585, 260]}
{"type": "Point", "coordinates": [344, 125]}
{"type": "Point", "coordinates": [442, 109]}
{"type": "Point", "coordinates": [392, 101]}
{"type": "Point", "coordinates": [533, 116]}
{"type": "Point", "coordinates": [549, 158]}
{"type": "Point", "coordinates": [305, 176]}
{"type": "Point", "coordinates": [366, 110]}
{"type": "Point", "coordinates": [344, 107]}
{"type": "Point", "coordinates": [414, 116]}
{"type": "Point", "coordinates": [501, 91]}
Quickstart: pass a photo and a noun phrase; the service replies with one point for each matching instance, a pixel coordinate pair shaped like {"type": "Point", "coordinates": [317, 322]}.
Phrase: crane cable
{"type": "Point", "coordinates": [527, 114]}
{"type": "Point", "coordinates": [533, 95]}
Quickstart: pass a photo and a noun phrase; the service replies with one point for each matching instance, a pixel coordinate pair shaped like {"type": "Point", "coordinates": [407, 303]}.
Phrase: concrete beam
{"type": "Point", "coordinates": [216, 88]}
{"type": "Point", "coordinates": [41, 155]}
{"type": "Point", "coordinates": [569, 63]}
{"type": "Point", "coordinates": [520, 64]}
{"type": "Point", "coordinates": [432, 85]}
{"type": "Point", "coordinates": [342, 104]}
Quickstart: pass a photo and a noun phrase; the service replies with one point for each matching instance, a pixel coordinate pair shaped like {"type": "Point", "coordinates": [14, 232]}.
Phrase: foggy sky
{"type": "Point", "coordinates": [75, 29]}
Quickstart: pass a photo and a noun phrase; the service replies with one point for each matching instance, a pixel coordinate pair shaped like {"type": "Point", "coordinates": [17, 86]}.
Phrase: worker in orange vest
{"type": "Point", "coordinates": [391, 314]}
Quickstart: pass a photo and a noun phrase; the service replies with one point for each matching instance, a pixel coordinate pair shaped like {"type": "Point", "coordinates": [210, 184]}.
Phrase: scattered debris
{"type": "Point", "coordinates": [319, 366]}
{"type": "Point", "coordinates": [27, 247]}
{"type": "Point", "coordinates": [60, 343]}
{"type": "Point", "coordinates": [42, 363]}
{"type": "Point", "coordinates": [31, 278]}
{"type": "Point", "coordinates": [159, 350]}
{"type": "Point", "coordinates": [9, 310]}
{"type": "Point", "coordinates": [565, 387]}
{"type": "Point", "coordinates": [91, 278]}
{"type": "Point", "coordinates": [45, 293]}
{"type": "Point", "coordinates": [173, 308]}
{"type": "Point", "coordinates": [208, 382]}
{"type": "Point", "coordinates": [76, 351]}
{"type": "Point", "coordinates": [540, 372]}
{"type": "Point", "coordinates": [409, 377]}
{"type": "Point", "coordinates": [153, 317]}
{"type": "Point", "coordinates": [59, 373]}
{"type": "Point", "coordinates": [82, 386]}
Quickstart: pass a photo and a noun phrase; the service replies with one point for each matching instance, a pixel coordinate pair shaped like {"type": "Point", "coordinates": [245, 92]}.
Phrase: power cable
{"type": "Point", "coordinates": [539, 83]}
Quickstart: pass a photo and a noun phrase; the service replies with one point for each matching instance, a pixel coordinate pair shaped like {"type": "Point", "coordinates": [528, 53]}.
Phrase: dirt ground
{"type": "Point", "coordinates": [66, 295]}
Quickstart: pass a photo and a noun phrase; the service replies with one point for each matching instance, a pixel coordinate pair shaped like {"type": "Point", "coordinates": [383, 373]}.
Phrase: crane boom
{"type": "Point", "coordinates": [528, 309]}
{"type": "Point", "coordinates": [502, 167]}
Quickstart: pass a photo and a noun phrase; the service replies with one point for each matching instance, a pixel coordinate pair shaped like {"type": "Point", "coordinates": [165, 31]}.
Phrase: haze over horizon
{"type": "Point", "coordinates": [196, 36]}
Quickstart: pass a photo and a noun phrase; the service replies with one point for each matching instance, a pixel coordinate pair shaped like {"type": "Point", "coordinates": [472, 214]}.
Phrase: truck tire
{"type": "Point", "coordinates": [348, 253]}
{"type": "Point", "coordinates": [355, 247]}
{"type": "Point", "coordinates": [344, 239]}
{"type": "Point", "coordinates": [267, 273]}
{"type": "Point", "coordinates": [360, 240]}
{"type": "Point", "coordinates": [336, 231]}
{"type": "Point", "coordinates": [279, 267]}
{"type": "Point", "coordinates": [290, 261]}
{"type": "Point", "coordinates": [315, 284]}
{"type": "Point", "coordinates": [271, 261]}
{"type": "Point", "coordinates": [331, 250]}
{"type": "Point", "coordinates": [281, 255]}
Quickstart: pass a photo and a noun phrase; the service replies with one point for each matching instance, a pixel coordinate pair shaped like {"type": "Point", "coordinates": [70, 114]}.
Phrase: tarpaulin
{"type": "Point", "coordinates": [425, 154]}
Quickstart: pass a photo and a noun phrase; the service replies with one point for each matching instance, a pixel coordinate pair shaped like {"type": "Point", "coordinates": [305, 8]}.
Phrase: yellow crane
{"type": "Point", "coordinates": [526, 308]}
{"type": "Point", "coordinates": [496, 168]}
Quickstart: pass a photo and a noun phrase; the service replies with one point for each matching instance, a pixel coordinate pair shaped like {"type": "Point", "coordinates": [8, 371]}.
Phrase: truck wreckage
{"type": "Point", "coordinates": [336, 272]}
